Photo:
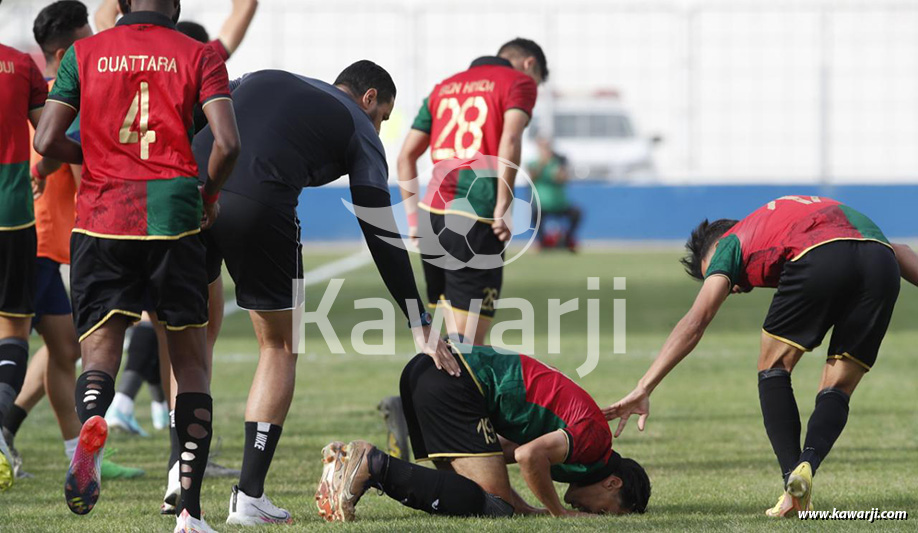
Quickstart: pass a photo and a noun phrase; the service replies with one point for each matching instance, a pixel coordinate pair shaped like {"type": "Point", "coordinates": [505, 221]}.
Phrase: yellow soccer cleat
{"type": "Point", "coordinates": [800, 485]}
{"type": "Point", "coordinates": [7, 474]}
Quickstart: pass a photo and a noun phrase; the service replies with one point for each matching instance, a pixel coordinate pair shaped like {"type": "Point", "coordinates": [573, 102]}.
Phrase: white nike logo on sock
{"type": "Point", "coordinates": [4, 363]}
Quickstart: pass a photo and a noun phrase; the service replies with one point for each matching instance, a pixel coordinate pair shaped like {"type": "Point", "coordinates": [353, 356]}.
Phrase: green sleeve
{"type": "Point", "coordinates": [727, 259]}
{"type": "Point", "coordinates": [424, 120]}
{"type": "Point", "coordinates": [67, 85]}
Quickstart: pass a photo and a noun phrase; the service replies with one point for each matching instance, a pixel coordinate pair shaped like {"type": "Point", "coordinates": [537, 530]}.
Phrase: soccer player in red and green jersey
{"type": "Point", "coordinates": [832, 268]}
{"type": "Point", "coordinates": [22, 96]}
{"type": "Point", "coordinates": [507, 408]}
{"type": "Point", "coordinates": [480, 111]}
{"type": "Point", "coordinates": [139, 213]}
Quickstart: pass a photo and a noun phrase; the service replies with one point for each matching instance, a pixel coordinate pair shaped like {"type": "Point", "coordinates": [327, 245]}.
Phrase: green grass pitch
{"type": "Point", "coordinates": [705, 448]}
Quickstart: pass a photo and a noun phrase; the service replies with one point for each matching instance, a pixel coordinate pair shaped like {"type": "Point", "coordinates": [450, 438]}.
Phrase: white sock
{"type": "Point", "coordinates": [123, 403]}
{"type": "Point", "coordinates": [157, 412]}
{"type": "Point", "coordinates": [70, 447]}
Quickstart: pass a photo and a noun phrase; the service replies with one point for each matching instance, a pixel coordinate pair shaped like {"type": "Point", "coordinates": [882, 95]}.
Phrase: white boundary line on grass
{"type": "Point", "coordinates": [320, 274]}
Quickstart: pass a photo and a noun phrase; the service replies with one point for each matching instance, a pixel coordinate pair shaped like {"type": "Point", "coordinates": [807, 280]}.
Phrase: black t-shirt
{"type": "Point", "coordinates": [296, 132]}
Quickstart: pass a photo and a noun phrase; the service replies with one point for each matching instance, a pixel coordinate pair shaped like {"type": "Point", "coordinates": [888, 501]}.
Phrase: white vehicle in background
{"type": "Point", "coordinates": [597, 135]}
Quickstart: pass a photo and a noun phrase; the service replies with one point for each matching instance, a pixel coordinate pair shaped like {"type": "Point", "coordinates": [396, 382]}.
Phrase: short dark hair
{"type": "Point", "coordinates": [635, 491]}
{"type": "Point", "coordinates": [193, 30]}
{"type": "Point", "coordinates": [527, 48]}
{"type": "Point", "coordinates": [700, 242]}
{"type": "Point", "coordinates": [55, 24]}
{"type": "Point", "coordinates": [365, 75]}
{"type": "Point", "coordinates": [125, 6]}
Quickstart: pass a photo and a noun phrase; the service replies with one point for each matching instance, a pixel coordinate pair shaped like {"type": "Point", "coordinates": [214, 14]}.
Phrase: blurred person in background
{"type": "Point", "coordinates": [550, 174]}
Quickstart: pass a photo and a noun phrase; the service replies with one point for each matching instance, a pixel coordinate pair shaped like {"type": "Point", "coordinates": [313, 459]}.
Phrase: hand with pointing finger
{"type": "Point", "coordinates": [636, 403]}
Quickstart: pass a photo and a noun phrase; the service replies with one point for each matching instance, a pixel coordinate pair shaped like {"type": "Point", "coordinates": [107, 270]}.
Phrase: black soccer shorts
{"type": "Point", "coordinates": [447, 416]}
{"type": "Point", "coordinates": [851, 286]}
{"type": "Point", "coordinates": [113, 276]}
{"type": "Point", "coordinates": [262, 251]}
{"type": "Point", "coordinates": [18, 272]}
{"type": "Point", "coordinates": [463, 288]}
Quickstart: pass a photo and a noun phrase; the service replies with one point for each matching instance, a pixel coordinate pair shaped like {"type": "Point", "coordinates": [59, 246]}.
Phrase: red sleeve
{"type": "Point", "coordinates": [522, 95]}
{"type": "Point", "coordinates": [214, 79]}
{"type": "Point", "coordinates": [39, 87]}
{"type": "Point", "coordinates": [219, 49]}
{"type": "Point", "coordinates": [589, 441]}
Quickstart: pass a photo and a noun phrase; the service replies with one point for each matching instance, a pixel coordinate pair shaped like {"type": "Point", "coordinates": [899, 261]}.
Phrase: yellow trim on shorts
{"type": "Point", "coordinates": [183, 328]}
{"type": "Point", "coordinates": [17, 228]}
{"type": "Point", "coordinates": [62, 103]}
{"type": "Point", "coordinates": [469, 370]}
{"type": "Point", "coordinates": [436, 211]}
{"type": "Point", "coordinates": [113, 312]}
{"type": "Point", "coordinates": [137, 237]}
{"type": "Point", "coordinates": [16, 315]}
{"type": "Point", "coordinates": [432, 456]}
{"type": "Point", "coordinates": [801, 254]}
{"type": "Point", "coordinates": [846, 355]}
{"type": "Point", "coordinates": [787, 341]}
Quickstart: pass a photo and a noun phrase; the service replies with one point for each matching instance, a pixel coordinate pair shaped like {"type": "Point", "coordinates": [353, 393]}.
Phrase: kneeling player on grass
{"type": "Point", "coordinates": [298, 132]}
{"type": "Point", "coordinates": [507, 408]}
{"type": "Point", "coordinates": [833, 268]}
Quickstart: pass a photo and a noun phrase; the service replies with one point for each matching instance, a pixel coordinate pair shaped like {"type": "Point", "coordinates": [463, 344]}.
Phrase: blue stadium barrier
{"type": "Point", "coordinates": [617, 212]}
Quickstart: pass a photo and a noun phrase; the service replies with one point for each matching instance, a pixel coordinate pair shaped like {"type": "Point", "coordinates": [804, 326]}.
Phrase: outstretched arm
{"type": "Point", "coordinates": [237, 24]}
{"type": "Point", "coordinates": [509, 149]}
{"type": "Point", "coordinates": [535, 459]}
{"type": "Point", "coordinates": [908, 262]}
{"type": "Point", "coordinates": [678, 345]}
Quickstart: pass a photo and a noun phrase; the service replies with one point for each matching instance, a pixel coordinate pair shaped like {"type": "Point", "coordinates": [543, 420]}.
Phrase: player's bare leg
{"type": "Point", "coordinates": [63, 351]}
{"type": "Point", "coordinates": [95, 389]}
{"type": "Point", "coordinates": [268, 403]}
{"type": "Point", "coordinates": [33, 388]}
{"type": "Point", "coordinates": [193, 411]}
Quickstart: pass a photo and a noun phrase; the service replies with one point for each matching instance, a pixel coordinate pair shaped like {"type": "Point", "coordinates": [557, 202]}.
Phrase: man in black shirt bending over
{"type": "Point", "coordinates": [297, 132]}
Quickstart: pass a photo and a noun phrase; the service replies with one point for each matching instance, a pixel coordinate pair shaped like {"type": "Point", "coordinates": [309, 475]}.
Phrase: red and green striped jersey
{"type": "Point", "coordinates": [754, 251]}
{"type": "Point", "coordinates": [22, 89]}
{"type": "Point", "coordinates": [464, 116]}
{"type": "Point", "coordinates": [526, 399]}
{"type": "Point", "coordinates": [136, 86]}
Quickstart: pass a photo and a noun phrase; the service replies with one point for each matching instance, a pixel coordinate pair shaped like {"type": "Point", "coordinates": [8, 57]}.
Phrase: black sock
{"type": "Point", "coordinates": [14, 356]}
{"type": "Point", "coordinates": [432, 491]}
{"type": "Point", "coordinates": [14, 419]}
{"type": "Point", "coordinates": [781, 417]}
{"type": "Point", "coordinates": [260, 442]}
{"type": "Point", "coordinates": [825, 425]}
{"type": "Point", "coordinates": [94, 393]}
{"type": "Point", "coordinates": [129, 383]}
{"type": "Point", "coordinates": [156, 392]}
{"type": "Point", "coordinates": [174, 444]}
{"type": "Point", "coordinates": [193, 423]}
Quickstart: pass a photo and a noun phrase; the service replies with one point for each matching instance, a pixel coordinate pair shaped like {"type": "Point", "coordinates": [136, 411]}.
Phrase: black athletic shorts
{"type": "Point", "coordinates": [447, 416]}
{"type": "Point", "coordinates": [463, 288]}
{"type": "Point", "coordinates": [17, 272]}
{"type": "Point", "coordinates": [113, 276]}
{"type": "Point", "coordinates": [262, 250]}
{"type": "Point", "coordinates": [850, 286]}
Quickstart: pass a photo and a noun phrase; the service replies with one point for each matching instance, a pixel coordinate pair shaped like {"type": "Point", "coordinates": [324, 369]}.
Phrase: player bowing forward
{"type": "Point", "coordinates": [833, 268]}
{"type": "Point", "coordinates": [298, 132]}
{"type": "Point", "coordinates": [508, 408]}
{"type": "Point", "coordinates": [139, 213]}
{"type": "Point", "coordinates": [483, 109]}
